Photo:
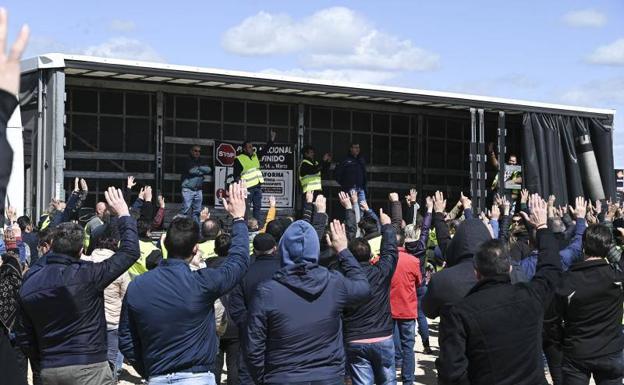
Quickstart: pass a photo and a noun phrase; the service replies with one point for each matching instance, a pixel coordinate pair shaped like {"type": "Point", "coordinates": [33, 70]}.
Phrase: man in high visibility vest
{"type": "Point", "coordinates": [311, 171]}
{"type": "Point", "coordinates": [247, 168]}
{"type": "Point", "coordinates": [149, 251]}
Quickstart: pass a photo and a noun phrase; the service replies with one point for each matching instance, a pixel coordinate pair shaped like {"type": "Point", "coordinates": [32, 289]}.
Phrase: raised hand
{"type": "Point", "coordinates": [384, 219]}
{"type": "Point", "coordinates": [495, 213]}
{"type": "Point", "coordinates": [465, 201]}
{"type": "Point", "coordinates": [309, 196]}
{"type": "Point", "coordinates": [142, 193]}
{"type": "Point", "coordinates": [83, 185]}
{"type": "Point", "coordinates": [354, 196]}
{"type": "Point", "coordinates": [148, 194]}
{"type": "Point", "coordinates": [273, 135]}
{"type": "Point", "coordinates": [271, 201]}
{"type": "Point", "coordinates": [413, 194]}
{"type": "Point", "coordinates": [321, 203]}
{"type": "Point", "coordinates": [161, 201]}
{"type": "Point", "coordinates": [551, 200]}
{"type": "Point", "coordinates": [506, 206]}
{"type": "Point", "coordinates": [439, 203]}
{"type": "Point", "coordinates": [76, 184]}
{"type": "Point", "coordinates": [580, 207]}
{"type": "Point", "coordinates": [539, 212]}
{"type": "Point", "coordinates": [204, 214]}
{"type": "Point", "coordinates": [364, 206]}
{"type": "Point", "coordinates": [11, 214]}
{"type": "Point", "coordinates": [429, 202]}
{"type": "Point", "coordinates": [345, 201]}
{"type": "Point", "coordinates": [116, 202]}
{"type": "Point", "coordinates": [131, 183]}
{"type": "Point", "coordinates": [235, 204]}
{"type": "Point", "coordinates": [524, 196]}
{"type": "Point", "coordinates": [337, 236]}
{"type": "Point", "coordinates": [393, 197]}
{"type": "Point", "coordinates": [10, 64]}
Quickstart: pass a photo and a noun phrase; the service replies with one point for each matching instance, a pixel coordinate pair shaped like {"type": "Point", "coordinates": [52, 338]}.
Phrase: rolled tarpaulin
{"type": "Point", "coordinates": [589, 168]}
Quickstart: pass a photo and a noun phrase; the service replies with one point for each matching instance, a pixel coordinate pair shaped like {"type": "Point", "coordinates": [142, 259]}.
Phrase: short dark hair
{"type": "Point", "coordinates": [401, 238]}
{"type": "Point", "coordinates": [355, 144]}
{"type": "Point", "coordinates": [68, 239]}
{"type": "Point", "coordinates": [210, 228]}
{"type": "Point", "coordinates": [108, 243]}
{"type": "Point", "coordinates": [360, 249]}
{"type": "Point", "coordinates": [46, 236]}
{"type": "Point", "coordinates": [277, 227]}
{"type": "Point", "coordinates": [368, 225]}
{"type": "Point", "coordinates": [143, 227]}
{"type": "Point", "coordinates": [307, 148]}
{"type": "Point", "coordinates": [222, 245]}
{"type": "Point", "coordinates": [23, 222]}
{"type": "Point", "coordinates": [492, 258]}
{"type": "Point", "coordinates": [181, 238]}
{"type": "Point", "coordinates": [597, 241]}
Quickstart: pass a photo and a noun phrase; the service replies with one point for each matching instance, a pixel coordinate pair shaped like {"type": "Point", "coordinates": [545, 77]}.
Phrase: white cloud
{"type": "Point", "coordinates": [500, 85]}
{"type": "Point", "coordinates": [347, 75]}
{"type": "Point", "coordinates": [333, 42]}
{"type": "Point", "coordinates": [124, 48]}
{"type": "Point", "coordinates": [118, 25]}
{"type": "Point", "coordinates": [38, 45]}
{"type": "Point", "coordinates": [610, 54]}
{"type": "Point", "coordinates": [585, 18]}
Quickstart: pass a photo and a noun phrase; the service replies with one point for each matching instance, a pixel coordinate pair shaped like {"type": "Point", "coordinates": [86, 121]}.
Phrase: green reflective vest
{"type": "Point", "coordinates": [310, 182]}
{"type": "Point", "coordinates": [251, 173]}
{"type": "Point", "coordinates": [139, 266]}
{"type": "Point", "coordinates": [207, 249]}
{"type": "Point", "coordinates": [375, 245]}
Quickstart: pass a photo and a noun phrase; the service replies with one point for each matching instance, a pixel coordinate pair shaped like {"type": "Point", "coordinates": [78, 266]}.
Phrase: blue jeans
{"type": "Point", "coordinates": [192, 203]}
{"type": "Point", "coordinates": [114, 356]}
{"type": "Point", "coordinates": [184, 378]}
{"type": "Point", "coordinates": [254, 201]}
{"type": "Point", "coordinates": [356, 207]}
{"type": "Point", "coordinates": [407, 334]}
{"type": "Point", "coordinates": [371, 363]}
{"type": "Point", "coordinates": [423, 324]}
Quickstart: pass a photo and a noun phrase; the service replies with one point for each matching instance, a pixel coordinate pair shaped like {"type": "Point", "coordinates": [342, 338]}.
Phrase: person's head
{"type": "Point", "coordinates": [108, 243]}
{"type": "Point", "coordinates": [597, 241]}
{"type": "Point", "coordinates": [264, 244]}
{"type": "Point", "coordinates": [308, 152]}
{"type": "Point", "coordinates": [143, 228]}
{"type": "Point", "coordinates": [556, 225]}
{"type": "Point", "coordinates": [100, 209]}
{"type": "Point", "coordinates": [620, 173]}
{"type": "Point", "coordinates": [400, 239]}
{"type": "Point", "coordinates": [68, 240]}
{"type": "Point", "coordinates": [24, 224]}
{"type": "Point", "coordinates": [360, 249]}
{"type": "Point", "coordinates": [513, 159]}
{"type": "Point", "coordinates": [46, 237]}
{"type": "Point", "coordinates": [181, 239]}
{"type": "Point", "coordinates": [277, 227]}
{"type": "Point", "coordinates": [252, 224]}
{"type": "Point", "coordinates": [299, 244]}
{"type": "Point", "coordinates": [222, 245]}
{"type": "Point", "coordinates": [617, 236]}
{"type": "Point", "coordinates": [248, 148]}
{"type": "Point", "coordinates": [195, 152]}
{"type": "Point", "coordinates": [210, 229]}
{"type": "Point", "coordinates": [492, 259]}
{"type": "Point", "coordinates": [368, 225]}
{"type": "Point", "coordinates": [354, 150]}
{"type": "Point", "coordinates": [411, 232]}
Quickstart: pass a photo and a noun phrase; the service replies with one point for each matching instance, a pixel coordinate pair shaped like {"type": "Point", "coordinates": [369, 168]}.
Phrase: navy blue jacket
{"type": "Point", "coordinates": [351, 173]}
{"type": "Point", "coordinates": [372, 318]}
{"type": "Point", "coordinates": [62, 304]}
{"type": "Point", "coordinates": [194, 171]}
{"type": "Point", "coordinates": [167, 318]}
{"type": "Point", "coordinates": [294, 331]}
{"type": "Point", "coordinates": [261, 269]}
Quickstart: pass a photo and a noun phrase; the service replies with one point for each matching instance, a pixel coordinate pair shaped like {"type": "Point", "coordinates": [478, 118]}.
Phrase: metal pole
{"type": "Point", "coordinates": [159, 142]}
{"type": "Point", "coordinates": [473, 152]}
{"type": "Point", "coordinates": [38, 159]}
{"type": "Point", "coordinates": [502, 152]}
{"type": "Point", "coordinates": [298, 148]}
{"type": "Point", "coordinates": [481, 161]}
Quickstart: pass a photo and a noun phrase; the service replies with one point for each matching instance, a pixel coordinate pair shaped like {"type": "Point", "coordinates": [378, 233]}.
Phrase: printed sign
{"type": "Point", "coordinates": [511, 173]}
{"type": "Point", "coordinates": [619, 184]}
{"type": "Point", "coordinates": [277, 163]}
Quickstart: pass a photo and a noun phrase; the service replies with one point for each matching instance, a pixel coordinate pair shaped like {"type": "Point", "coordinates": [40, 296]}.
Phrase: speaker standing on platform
{"type": "Point", "coordinates": [311, 171]}
{"type": "Point", "coordinates": [192, 181]}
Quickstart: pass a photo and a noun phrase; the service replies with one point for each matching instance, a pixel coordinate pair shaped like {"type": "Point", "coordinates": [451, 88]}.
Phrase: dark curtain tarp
{"type": "Point", "coordinates": [551, 160]}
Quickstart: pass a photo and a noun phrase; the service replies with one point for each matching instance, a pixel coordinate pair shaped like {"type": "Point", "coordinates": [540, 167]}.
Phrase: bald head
{"type": "Point", "coordinates": [100, 209]}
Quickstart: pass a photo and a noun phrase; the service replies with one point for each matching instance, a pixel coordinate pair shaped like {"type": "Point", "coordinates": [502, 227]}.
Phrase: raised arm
{"type": "Point", "coordinates": [442, 231]}
{"type": "Point", "coordinates": [225, 277]}
{"type": "Point", "coordinates": [320, 218]}
{"type": "Point", "coordinates": [396, 214]}
{"type": "Point", "coordinates": [574, 250]}
{"type": "Point", "coordinates": [350, 220]}
{"type": "Point", "coordinates": [389, 254]}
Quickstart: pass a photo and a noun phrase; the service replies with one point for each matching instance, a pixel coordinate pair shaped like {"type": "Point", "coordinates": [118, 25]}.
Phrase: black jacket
{"type": "Point", "coordinates": [493, 336]}
{"type": "Point", "coordinates": [589, 302]}
{"type": "Point", "coordinates": [351, 173]}
{"type": "Point", "coordinates": [373, 318]}
{"type": "Point", "coordinates": [62, 304]}
{"type": "Point", "coordinates": [453, 283]}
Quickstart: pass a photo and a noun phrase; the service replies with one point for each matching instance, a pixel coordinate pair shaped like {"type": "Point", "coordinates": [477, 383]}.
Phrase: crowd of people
{"type": "Point", "coordinates": [525, 289]}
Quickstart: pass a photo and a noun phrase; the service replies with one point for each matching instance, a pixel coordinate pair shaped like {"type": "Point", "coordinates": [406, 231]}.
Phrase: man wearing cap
{"type": "Point", "coordinates": [265, 264]}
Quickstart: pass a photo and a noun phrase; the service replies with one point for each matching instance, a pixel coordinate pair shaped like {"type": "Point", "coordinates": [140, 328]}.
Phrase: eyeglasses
{"type": "Point", "coordinates": [197, 151]}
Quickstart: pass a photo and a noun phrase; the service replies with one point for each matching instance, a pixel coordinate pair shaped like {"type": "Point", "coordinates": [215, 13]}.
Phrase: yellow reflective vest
{"type": "Point", "coordinates": [139, 266]}
{"type": "Point", "coordinates": [375, 245]}
{"type": "Point", "coordinates": [207, 249]}
{"type": "Point", "coordinates": [310, 182]}
{"type": "Point", "coordinates": [251, 173]}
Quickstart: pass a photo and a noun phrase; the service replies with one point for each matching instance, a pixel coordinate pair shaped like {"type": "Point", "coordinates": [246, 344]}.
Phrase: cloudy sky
{"type": "Point", "coordinates": [561, 51]}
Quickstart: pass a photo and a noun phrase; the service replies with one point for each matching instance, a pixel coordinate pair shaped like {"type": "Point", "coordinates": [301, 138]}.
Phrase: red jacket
{"type": "Point", "coordinates": [406, 278]}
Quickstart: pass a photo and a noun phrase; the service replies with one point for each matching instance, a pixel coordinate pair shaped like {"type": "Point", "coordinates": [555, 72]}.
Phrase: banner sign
{"type": "Point", "coordinates": [512, 172]}
{"type": "Point", "coordinates": [277, 163]}
{"type": "Point", "coordinates": [619, 183]}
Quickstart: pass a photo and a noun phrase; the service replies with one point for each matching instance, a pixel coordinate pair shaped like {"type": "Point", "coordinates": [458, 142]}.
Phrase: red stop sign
{"type": "Point", "coordinates": [226, 154]}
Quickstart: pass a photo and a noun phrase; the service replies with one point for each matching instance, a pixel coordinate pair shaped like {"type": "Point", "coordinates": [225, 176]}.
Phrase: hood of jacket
{"type": "Point", "coordinates": [299, 244]}
{"type": "Point", "coordinates": [469, 236]}
{"type": "Point", "coordinates": [307, 280]}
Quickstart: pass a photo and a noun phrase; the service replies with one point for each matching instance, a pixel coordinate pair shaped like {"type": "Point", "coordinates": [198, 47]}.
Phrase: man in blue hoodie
{"type": "Point", "coordinates": [192, 181]}
{"type": "Point", "coordinates": [167, 329]}
{"type": "Point", "coordinates": [294, 332]}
